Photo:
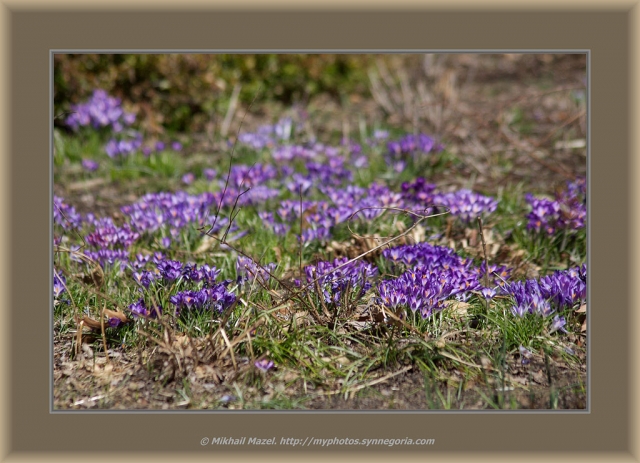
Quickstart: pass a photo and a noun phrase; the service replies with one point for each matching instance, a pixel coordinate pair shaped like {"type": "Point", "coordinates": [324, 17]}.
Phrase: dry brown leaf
{"type": "Point", "coordinates": [205, 372]}
{"type": "Point", "coordinates": [486, 363]}
{"type": "Point", "coordinates": [116, 314]}
{"type": "Point", "coordinates": [517, 379]}
{"type": "Point", "coordinates": [472, 233]}
{"type": "Point", "coordinates": [86, 184]}
{"type": "Point", "coordinates": [96, 277]}
{"type": "Point", "coordinates": [457, 308]}
{"type": "Point", "coordinates": [539, 377]}
{"type": "Point", "coordinates": [91, 323]}
{"type": "Point", "coordinates": [582, 309]}
{"type": "Point", "coordinates": [88, 338]}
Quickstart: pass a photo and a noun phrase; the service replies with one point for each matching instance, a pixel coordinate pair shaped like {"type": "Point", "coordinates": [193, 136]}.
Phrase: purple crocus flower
{"type": "Point", "coordinates": [209, 174]}
{"type": "Point", "coordinates": [59, 283]}
{"type": "Point", "coordinates": [170, 270]}
{"type": "Point", "coordinates": [264, 365]}
{"type": "Point", "coordinates": [188, 178]}
{"type": "Point", "coordinates": [112, 148]}
{"type": "Point", "coordinates": [558, 324]}
{"type": "Point", "coordinates": [90, 165]}
{"type": "Point", "coordinates": [525, 354]}
{"type": "Point", "coordinates": [144, 278]}
{"type": "Point", "coordinates": [248, 270]}
{"type": "Point", "coordinates": [488, 293]}
{"type": "Point", "coordinates": [114, 322]}
{"type": "Point", "coordinates": [139, 309]}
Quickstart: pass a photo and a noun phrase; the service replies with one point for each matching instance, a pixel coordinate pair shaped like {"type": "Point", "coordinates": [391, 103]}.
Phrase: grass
{"type": "Point", "coordinates": [347, 354]}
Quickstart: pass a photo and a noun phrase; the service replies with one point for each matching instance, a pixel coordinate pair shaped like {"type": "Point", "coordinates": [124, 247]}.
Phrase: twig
{"type": "Point", "coordinates": [233, 357]}
{"type": "Point", "coordinates": [233, 103]}
{"type": "Point", "coordinates": [486, 262]}
{"type": "Point", "coordinates": [104, 336]}
{"type": "Point", "coordinates": [369, 384]}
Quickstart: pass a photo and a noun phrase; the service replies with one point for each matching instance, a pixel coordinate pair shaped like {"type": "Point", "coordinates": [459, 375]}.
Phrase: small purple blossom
{"type": "Point", "coordinates": [90, 165]}
{"type": "Point", "coordinates": [264, 365]}
{"type": "Point", "coordinates": [558, 324]}
{"type": "Point", "coordinates": [247, 271]}
{"type": "Point", "coordinates": [525, 354]}
{"type": "Point", "coordinates": [188, 178]}
{"type": "Point", "coordinates": [488, 293]}
{"type": "Point", "coordinates": [139, 309]}
{"type": "Point", "coordinates": [119, 148]}
{"type": "Point", "coordinates": [59, 284]}
{"type": "Point", "coordinates": [144, 278]}
{"type": "Point", "coordinates": [114, 322]}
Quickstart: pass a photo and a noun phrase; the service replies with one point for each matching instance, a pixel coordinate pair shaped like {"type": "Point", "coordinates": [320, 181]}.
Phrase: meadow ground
{"type": "Point", "coordinates": [328, 255]}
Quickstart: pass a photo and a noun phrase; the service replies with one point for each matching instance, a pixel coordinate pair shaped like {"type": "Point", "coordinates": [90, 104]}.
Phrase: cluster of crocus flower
{"type": "Point", "coordinates": [109, 256]}
{"type": "Point", "coordinates": [334, 278]}
{"type": "Point", "coordinates": [429, 275]}
{"type": "Point", "coordinates": [320, 216]}
{"type": "Point", "coordinates": [243, 176]}
{"type": "Point", "coordinates": [124, 146]}
{"type": "Point", "coordinates": [331, 172]}
{"type": "Point", "coordinates": [411, 144]}
{"type": "Point", "coordinates": [466, 205]}
{"type": "Point", "coordinates": [426, 255]}
{"type": "Point", "coordinates": [287, 153]}
{"type": "Point", "coordinates": [413, 147]}
{"type": "Point", "coordinates": [567, 212]}
{"type": "Point", "coordinates": [215, 298]}
{"type": "Point", "coordinates": [549, 294]}
{"type": "Point", "coordinates": [425, 290]}
{"type": "Point", "coordinates": [498, 275]}
{"type": "Point", "coordinates": [434, 274]}
{"type": "Point", "coordinates": [418, 192]}
{"type": "Point", "coordinates": [107, 235]}
{"type": "Point", "coordinates": [205, 292]}
{"type": "Point", "coordinates": [104, 111]}
{"type": "Point", "coordinates": [101, 110]}
{"type": "Point", "coordinates": [268, 136]}
{"type": "Point", "coordinates": [175, 211]}
{"type": "Point", "coordinates": [65, 215]}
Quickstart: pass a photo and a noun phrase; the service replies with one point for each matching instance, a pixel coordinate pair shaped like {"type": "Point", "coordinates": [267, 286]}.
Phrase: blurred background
{"type": "Point", "coordinates": [185, 92]}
